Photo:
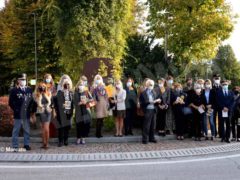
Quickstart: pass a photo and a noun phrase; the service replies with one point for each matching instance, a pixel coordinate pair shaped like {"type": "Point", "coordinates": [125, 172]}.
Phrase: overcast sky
{"type": "Point", "coordinates": [234, 40]}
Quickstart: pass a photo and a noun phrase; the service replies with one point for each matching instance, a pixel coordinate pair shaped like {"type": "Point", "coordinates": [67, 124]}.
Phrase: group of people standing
{"type": "Point", "coordinates": [192, 108]}
{"type": "Point", "coordinates": [167, 107]}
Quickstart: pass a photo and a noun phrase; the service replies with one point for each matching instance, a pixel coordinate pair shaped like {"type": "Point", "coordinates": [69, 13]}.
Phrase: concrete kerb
{"type": "Point", "coordinates": [121, 156]}
{"type": "Point", "coordinates": [107, 139]}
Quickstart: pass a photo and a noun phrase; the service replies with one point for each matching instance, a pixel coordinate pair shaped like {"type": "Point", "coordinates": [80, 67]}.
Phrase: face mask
{"type": "Point", "coordinates": [81, 88]}
{"type": "Point", "coordinates": [217, 81]}
{"type": "Point", "coordinates": [178, 90]}
{"type": "Point", "coordinates": [98, 81]}
{"type": "Point", "coordinates": [170, 81]}
{"type": "Point", "coordinates": [198, 90]}
{"type": "Point", "coordinates": [160, 85]}
{"type": "Point", "coordinates": [129, 84]}
{"type": "Point", "coordinates": [41, 89]}
{"type": "Point", "coordinates": [48, 80]}
{"type": "Point", "coordinates": [150, 87]}
{"type": "Point", "coordinates": [118, 86]}
{"type": "Point", "coordinates": [225, 87]}
{"type": "Point", "coordinates": [208, 86]}
{"type": "Point", "coordinates": [202, 86]}
{"type": "Point", "coordinates": [23, 83]}
{"type": "Point", "coordinates": [189, 84]}
{"type": "Point", "coordinates": [236, 92]}
{"type": "Point", "coordinates": [85, 83]}
{"type": "Point", "coordinates": [66, 86]}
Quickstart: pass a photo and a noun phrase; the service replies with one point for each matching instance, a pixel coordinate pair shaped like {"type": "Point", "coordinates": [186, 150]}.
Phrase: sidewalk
{"type": "Point", "coordinates": [126, 150]}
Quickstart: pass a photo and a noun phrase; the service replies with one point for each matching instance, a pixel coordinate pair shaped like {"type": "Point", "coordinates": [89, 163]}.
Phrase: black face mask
{"type": "Point", "coordinates": [236, 92]}
{"type": "Point", "coordinates": [41, 89]}
{"type": "Point", "coordinates": [66, 86]}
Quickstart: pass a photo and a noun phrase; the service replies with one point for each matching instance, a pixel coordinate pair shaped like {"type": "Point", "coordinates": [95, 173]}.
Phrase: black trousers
{"type": "Point", "coordinates": [197, 118]}
{"type": "Point", "coordinates": [82, 129]}
{"type": "Point", "coordinates": [149, 124]}
{"type": "Point", "coordinates": [179, 118]}
{"type": "Point", "coordinates": [225, 133]}
{"type": "Point", "coordinates": [234, 123]}
{"type": "Point", "coordinates": [63, 133]}
{"type": "Point", "coordinates": [161, 119]}
{"type": "Point", "coordinates": [99, 125]}
{"type": "Point", "coordinates": [128, 121]}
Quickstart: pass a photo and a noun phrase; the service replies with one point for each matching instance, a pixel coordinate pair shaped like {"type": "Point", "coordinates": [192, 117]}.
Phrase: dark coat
{"type": "Point", "coordinates": [64, 117]}
{"type": "Point", "coordinates": [165, 97]}
{"type": "Point", "coordinates": [21, 102]}
{"type": "Point", "coordinates": [225, 101]}
{"type": "Point", "coordinates": [144, 100]}
{"type": "Point", "coordinates": [212, 98]}
{"type": "Point", "coordinates": [82, 113]}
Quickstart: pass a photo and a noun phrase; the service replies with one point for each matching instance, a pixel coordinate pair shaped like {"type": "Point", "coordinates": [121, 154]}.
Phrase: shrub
{"type": "Point", "coordinates": [6, 121]}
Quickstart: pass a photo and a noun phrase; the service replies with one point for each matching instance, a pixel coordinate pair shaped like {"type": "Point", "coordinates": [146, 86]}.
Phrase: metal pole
{"type": "Point", "coordinates": [35, 43]}
{"type": "Point", "coordinates": [165, 46]}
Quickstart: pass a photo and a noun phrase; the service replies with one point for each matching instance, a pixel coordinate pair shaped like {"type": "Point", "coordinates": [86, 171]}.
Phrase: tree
{"type": "Point", "coordinates": [193, 29]}
{"type": "Point", "coordinates": [227, 65]}
{"type": "Point", "coordinates": [88, 29]}
{"type": "Point", "coordinates": [17, 40]}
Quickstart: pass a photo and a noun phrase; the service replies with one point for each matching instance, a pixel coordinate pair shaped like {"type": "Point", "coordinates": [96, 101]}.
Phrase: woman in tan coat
{"type": "Point", "coordinates": [101, 98]}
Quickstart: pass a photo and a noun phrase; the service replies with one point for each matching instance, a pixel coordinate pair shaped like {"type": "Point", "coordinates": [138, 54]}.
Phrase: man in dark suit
{"type": "Point", "coordinates": [147, 101]}
{"type": "Point", "coordinates": [225, 101]}
{"type": "Point", "coordinates": [20, 101]}
{"type": "Point", "coordinates": [216, 113]}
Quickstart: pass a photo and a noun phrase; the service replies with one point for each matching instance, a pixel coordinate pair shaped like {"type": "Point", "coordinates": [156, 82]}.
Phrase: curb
{"type": "Point", "coordinates": [144, 155]}
{"type": "Point", "coordinates": [107, 139]}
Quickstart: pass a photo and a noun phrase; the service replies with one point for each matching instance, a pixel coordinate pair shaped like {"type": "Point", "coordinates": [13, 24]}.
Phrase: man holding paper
{"type": "Point", "coordinates": [225, 101]}
{"type": "Point", "coordinates": [148, 101]}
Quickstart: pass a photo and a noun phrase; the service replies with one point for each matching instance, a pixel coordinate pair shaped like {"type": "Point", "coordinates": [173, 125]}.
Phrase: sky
{"type": "Point", "coordinates": [234, 39]}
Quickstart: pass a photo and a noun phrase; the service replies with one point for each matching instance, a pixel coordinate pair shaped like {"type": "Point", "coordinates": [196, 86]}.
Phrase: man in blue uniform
{"type": "Point", "coordinates": [20, 101]}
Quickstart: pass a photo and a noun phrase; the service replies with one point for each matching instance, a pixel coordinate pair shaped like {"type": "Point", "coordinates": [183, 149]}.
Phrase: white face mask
{"type": "Point", "coordinates": [150, 87]}
{"type": "Point", "coordinates": [129, 84]}
{"type": "Point", "coordinates": [85, 83]}
{"type": "Point", "coordinates": [170, 81]}
{"type": "Point", "coordinates": [23, 83]}
{"type": "Point", "coordinates": [207, 86]}
{"type": "Point", "coordinates": [217, 81]}
{"type": "Point", "coordinates": [160, 85]}
{"type": "Point", "coordinates": [98, 81]}
{"type": "Point", "coordinates": [198, 90]}
{"type": "Point", "coordinates": [81, 88]}
{"type": "Point", "coordinates": [118, 86]}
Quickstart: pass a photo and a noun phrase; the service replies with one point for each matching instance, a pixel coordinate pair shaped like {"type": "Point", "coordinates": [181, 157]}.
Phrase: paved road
{"type": "Point", "coordinates": [219, 167]}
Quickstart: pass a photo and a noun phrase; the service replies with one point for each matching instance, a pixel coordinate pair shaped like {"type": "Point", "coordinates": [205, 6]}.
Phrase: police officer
{"type": "Point", "coordinates": [20, 101]}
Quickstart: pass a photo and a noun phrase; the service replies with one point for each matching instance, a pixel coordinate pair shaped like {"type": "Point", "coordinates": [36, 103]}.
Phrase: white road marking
{"type": "Point", "coordinates": [21, 166]}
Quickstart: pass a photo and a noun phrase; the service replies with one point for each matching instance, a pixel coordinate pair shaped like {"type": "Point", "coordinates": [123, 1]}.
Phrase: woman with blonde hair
{"type": "Point", "coordinates": [43, 109]}
{"type": "Point", "coordinates": [101, 98]}
{"type": "Point", "coordinates": [83, 102]}
{"type": "Point", "coordinates": [210, 105]}
{"type": "Point", "coordinates": [64, 109]}
{"type": "Point", "coordinates": [48, 80]}
{"type": "Point", "coordinates": [120, 109]}
{"type": "Point", "coordinates": [64, 77]}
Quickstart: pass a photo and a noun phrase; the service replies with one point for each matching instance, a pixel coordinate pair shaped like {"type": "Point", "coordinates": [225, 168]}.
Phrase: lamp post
{"type": "Point", "coordinates": [35, 44]}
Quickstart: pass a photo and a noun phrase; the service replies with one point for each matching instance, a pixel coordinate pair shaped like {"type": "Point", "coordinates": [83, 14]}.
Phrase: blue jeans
{"type": "Point", "coordinates": [16, 129]}
{"type": "Point", "coordinates": [211, 121]}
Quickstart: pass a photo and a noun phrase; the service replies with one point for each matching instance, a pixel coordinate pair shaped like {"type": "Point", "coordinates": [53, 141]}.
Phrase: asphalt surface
{"type": "Point", "coordinates": [219, 166]}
